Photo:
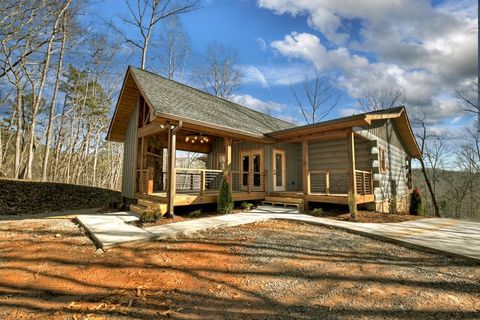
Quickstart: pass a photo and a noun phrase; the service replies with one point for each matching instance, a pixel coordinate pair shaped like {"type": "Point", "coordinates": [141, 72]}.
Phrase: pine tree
{"type": "Point", "coordinates": [225, 199]}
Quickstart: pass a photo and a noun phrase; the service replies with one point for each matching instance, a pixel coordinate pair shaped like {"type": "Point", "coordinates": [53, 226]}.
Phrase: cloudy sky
{"type": "Point", "coordinates": [429, 49]}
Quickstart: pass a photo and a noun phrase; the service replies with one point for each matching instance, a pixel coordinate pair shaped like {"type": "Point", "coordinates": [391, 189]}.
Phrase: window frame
{"type": "Point", "coordinates": [382, 160]}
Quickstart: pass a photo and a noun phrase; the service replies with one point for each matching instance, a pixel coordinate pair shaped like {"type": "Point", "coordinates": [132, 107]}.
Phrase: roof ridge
{"type": "Point", "coordinates": [210, 95]}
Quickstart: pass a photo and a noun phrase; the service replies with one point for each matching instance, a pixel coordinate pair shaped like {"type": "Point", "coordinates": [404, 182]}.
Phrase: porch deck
{"type": "Point", "coordinates": [192, 198]}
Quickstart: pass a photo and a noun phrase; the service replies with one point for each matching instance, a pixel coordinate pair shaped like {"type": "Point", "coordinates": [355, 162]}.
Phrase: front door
{"type": "Point", "coordinates": [279, 175]}
{"type": "Point", "coordinates": [251, 164]}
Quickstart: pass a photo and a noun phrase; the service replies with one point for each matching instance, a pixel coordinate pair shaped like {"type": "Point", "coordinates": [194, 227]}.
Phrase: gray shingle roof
{"type": "Point", "coordinates": [176, 99]}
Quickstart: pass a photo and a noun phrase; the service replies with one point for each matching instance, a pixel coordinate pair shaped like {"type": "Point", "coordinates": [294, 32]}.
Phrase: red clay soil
{"type": "Point", "coordinates": [49, 269]}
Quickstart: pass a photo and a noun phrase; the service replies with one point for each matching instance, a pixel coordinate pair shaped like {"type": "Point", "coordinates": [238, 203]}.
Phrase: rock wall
{"type": "Point", "coordinates": [29, 197]}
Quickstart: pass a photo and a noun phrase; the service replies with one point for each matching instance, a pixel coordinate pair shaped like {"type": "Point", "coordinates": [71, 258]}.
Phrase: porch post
{"type": "Point", "coordinates": [352, 184]}
{"type": "Point", "coordinates": [228, 160]}
{"type": "Point", "coordinates": [171, 174]}
{"type": "Point", "coordinates": [306, 174]}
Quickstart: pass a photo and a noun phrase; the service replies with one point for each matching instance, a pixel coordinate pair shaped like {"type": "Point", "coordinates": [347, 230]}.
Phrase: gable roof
{"type": "Point", "coordinates": [171, 99]}
{"type": "Point", "coordinates": [398, 115]}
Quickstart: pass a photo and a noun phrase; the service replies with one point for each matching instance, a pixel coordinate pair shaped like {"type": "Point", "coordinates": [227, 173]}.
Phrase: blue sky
{"type": "Point", "coordinates": [428, 49]}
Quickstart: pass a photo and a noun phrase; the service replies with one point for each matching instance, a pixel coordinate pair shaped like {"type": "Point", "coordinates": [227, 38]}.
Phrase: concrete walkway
{"type": "Point", "coordinates": [453, 237]}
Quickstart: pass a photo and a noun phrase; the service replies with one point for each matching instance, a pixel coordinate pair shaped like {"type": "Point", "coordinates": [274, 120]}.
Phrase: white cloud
{"type": "Point", "coordinates": [275, 75]}
{"type": "Point", "coordinates": [261, 43]}
{"type": "Point", "coordinates": [268, 107]}
{"type": "Point", "coordinates": [252, 75]}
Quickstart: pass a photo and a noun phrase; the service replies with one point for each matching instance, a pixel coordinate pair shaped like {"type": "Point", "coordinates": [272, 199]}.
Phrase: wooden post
{"type": "Point", "coordinates": [352, 183]}
{"type": "Point", "coordinates": [202, 182]}
{"type": "Point", "coordinates": [265, 180]}
{"type": "Point", "coordinates": [363, 183]}
{"type": "Point", "coordinates": [228, 160]}
{"type": "Point", "coordinates": [150, 173]}
{"type": "Point", "coordinates": [306, 173]}
{"type": "Point", "coordinates": [371, 182]}
{"type": "Point", "coordinates": [249, 181]}
{"type": "Point", "coordinates": [327, 182]}
{"type": "Point", "coordinates": [171, 178]}
{"type": "Point", "coordinates": [305, 167]}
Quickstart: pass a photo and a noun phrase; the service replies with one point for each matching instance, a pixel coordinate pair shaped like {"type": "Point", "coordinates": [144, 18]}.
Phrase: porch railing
{"type": "Point", "coordinates": [364, 182]}
{"type": "Point", "coordinates": [248, 181]}
{"type": "Point", "coordinates": [197, 180]}
{"type": "Point", "coordinates": [335, 182]}
{"type": "Point", "coordinates": [191, 180]}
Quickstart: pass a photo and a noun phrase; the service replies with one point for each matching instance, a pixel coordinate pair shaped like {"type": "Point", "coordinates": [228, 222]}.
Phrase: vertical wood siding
{"type": "Point", "coordinates": [129, 169]}
{"type": "Point", "coordinates": [333, 155]}
{"type": "Point", "coordinates": [385, 130]}
{"type": "Point", "coordinates": [293, 154]}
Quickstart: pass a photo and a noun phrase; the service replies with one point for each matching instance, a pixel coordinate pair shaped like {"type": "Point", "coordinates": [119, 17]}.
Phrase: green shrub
{"type": "Point", "coordinates": [317, 212]}
{"type": "Point", "coordinates": [246, 205]}
{"type": "Point", "coordinates": [225, 199]}
{"type": "Point", "coordinates": [195, 213]}
{"type": "Point", "coordinates": [151, 214]}
{"type": "Point", "coordinates": [416, 207]}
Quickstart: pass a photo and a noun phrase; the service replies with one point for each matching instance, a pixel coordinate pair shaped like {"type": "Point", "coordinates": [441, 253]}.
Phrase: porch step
{"type": "Point", "coordinates": [142, 206]}
{"type": "Point", "coordinates": [135, 208]}
{"type": "Point", "coordinates": [287, 194]}
{"type": "Point", "coordinates": [283, 201]}
{"type": "Point", "coordinates": [147, 203]}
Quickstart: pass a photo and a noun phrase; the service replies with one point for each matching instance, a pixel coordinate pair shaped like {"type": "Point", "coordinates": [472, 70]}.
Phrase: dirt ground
{"type": "Point", "coordinates": [372, 217]}
{"type": "Point", "coordinates": [272, 270]}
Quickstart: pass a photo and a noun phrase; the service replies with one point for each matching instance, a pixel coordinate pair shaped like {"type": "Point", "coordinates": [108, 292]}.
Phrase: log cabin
{"type": "Point", "coordinates": [359, 160]}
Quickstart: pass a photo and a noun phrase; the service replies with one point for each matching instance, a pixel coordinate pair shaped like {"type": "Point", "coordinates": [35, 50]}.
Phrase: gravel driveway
{"type": "Point", "coordinates": [49, 269]}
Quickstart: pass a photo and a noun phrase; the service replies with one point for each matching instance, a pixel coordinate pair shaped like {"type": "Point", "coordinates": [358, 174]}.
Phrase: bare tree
{"type": "Point", "coordinates": [219, 74]}
{"type": "Point", "coordinates": [468, 99]}
{"type": "Point", "coordinates": [424, 137]}
{"type": "Point", "coordinates": [144, 16]}
{"type": "Point", "coordinates": [175, 47]}
{"type": "Point", "coordinates": [382, 99]}
{"type": "Point", "coordinates": [46, 153]}
{"type": "Point", "coordinates": [319, 98]}
{"type": "Point", "coordinates": [58, 13]}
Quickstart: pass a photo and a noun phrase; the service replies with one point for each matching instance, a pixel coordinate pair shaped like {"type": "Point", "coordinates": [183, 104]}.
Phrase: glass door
{"type": "Point", "coordinates": [245, 168]}
{"type": "Point", "coordinates": [251, 165]}
{"type": "Point", "coordinates": [279, 170]}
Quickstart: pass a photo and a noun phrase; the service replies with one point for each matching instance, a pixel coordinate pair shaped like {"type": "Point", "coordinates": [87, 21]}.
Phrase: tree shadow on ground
{"type": "Point", "coordinates": [210, 276]}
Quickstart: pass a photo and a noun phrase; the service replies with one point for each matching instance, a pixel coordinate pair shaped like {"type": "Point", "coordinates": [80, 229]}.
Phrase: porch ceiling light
{"type": "Point", "coordinates": [196, 138]}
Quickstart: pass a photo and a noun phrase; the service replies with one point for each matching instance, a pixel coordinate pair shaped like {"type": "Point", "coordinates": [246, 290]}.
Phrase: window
{"type": "Point", "coordinates": [221, 161]}
{"type": "Point", "coordinates": [383, 165]}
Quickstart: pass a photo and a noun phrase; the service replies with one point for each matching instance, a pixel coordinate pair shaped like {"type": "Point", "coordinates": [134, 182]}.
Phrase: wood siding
{"type": "Point", "coordinates": [393, 182]}
{"type": "Point", "coordinates": [129, 169]}
{"type": "Point", "coordinates": [333, 155]}
{"type": "Point", "coordinates": [293, 155]}
{"type": "Point", "coordinates": [385, 130]}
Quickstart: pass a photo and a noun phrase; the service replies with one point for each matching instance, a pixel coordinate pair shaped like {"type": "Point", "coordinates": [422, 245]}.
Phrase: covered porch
{"type": "Point", "coordinates": [162, 177]}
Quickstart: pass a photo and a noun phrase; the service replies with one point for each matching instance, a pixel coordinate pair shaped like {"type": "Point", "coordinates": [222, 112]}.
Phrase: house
{"type": "Point", "coordinates": [364, 159]}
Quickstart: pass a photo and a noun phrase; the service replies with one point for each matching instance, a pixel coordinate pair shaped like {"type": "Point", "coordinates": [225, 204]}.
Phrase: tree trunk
{"type": "Point", "coordinates": [19, 131]}
{"type": "Point", "coordinates": [430, 189]}
{"type": "Point", "coordinates": [52, 105]}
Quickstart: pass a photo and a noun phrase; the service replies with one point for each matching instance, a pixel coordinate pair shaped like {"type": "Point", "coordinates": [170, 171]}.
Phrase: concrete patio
{"type": "Point", "coordinates": [448, 236]}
